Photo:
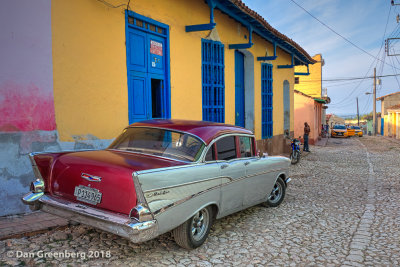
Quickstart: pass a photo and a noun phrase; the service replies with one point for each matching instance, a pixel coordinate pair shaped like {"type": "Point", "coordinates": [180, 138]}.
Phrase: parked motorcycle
{"type": "Point", "coordinates": [295, 155]}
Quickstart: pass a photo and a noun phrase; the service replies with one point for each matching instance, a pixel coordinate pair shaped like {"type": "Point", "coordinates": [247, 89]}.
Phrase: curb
{"type": "Point", "coordinates": [29, 224]}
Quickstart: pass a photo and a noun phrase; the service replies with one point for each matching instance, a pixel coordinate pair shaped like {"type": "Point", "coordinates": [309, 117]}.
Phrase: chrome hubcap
{"type": "Point", "coordinates": [276, 193]}
{"type": "Point", "coordinates": [200, 223]}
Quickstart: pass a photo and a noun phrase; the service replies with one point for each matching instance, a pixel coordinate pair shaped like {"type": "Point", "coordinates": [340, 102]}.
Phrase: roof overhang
{"type": "Point", "coordinates": [237, 10]}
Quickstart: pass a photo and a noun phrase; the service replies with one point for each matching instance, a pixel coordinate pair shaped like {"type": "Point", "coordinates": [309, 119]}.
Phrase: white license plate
{"type": "Point", "coordinates": [87, 194]}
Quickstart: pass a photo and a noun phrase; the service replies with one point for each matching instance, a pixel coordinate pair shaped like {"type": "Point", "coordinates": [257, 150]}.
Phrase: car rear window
{"type": "Point", "coordinates": [159, 142]}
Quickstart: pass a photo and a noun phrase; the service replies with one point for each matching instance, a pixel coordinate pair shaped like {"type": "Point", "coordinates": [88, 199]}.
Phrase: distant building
{"type": "Point", "coordinates": [334, 119]}
{"type": "Point", "coordinates": [309, 99]}
{"type": "Point", "coordinates": [307, 109]}
{"type": "Point", "coordinates": [393, 121]}
{"type": "Point", "coordinates": [389, 118]}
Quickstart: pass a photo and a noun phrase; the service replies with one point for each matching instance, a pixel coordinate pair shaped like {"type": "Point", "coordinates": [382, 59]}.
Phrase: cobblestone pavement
{"type": "Point", "coordinates": [341, 208]}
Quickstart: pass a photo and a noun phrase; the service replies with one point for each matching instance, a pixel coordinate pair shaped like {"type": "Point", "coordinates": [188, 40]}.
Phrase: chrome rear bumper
{"type": "Point", "coordinates": [115, 223]}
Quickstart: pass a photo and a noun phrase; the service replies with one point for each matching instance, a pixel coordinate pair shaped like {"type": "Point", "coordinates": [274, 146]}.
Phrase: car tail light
{"type": "Point", "coordinates": [141, 214]}
{"type": "Point", "coordinates": [37, 186]}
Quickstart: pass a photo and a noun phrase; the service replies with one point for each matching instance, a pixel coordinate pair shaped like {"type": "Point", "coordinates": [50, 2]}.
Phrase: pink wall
{"type": "Point", "coordinates": [305, 110]}
{"type": "Point", "coordinates": [26, 75]}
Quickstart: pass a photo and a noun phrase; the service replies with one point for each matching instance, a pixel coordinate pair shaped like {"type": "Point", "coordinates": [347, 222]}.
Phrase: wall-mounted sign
{"type": "Point", "coordinates": [156, 48]}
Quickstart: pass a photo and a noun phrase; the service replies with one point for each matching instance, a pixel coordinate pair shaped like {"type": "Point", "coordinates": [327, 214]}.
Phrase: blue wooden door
{"type": "Point", "coordinates": [147, 66]}
{"type": "Point", "coordinates": [239, 89]}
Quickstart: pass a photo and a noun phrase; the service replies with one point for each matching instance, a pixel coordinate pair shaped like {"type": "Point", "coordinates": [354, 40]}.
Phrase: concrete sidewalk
{"type": "Point", "coordinates": [29, 224]}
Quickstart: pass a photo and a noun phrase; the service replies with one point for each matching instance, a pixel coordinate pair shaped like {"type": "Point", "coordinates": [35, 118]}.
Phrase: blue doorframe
{"type": "Point", "coordinates": [239, 89]}
{"type": "Point", "coordinates": [147, 58]}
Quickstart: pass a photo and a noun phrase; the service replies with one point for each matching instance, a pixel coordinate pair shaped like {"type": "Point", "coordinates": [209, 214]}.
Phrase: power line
{"type": "Point", "coordinates": [344, 38]}
{"type": "Point", "coordinates": [352, 78]}
{"type": "Point", "coordinates": [347, 99]}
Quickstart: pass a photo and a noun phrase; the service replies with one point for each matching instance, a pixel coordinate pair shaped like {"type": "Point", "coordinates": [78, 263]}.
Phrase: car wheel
{"type": "Point", "coordinates": [277, 194]}
{"type": "Point", "coordinates": [192, 233]}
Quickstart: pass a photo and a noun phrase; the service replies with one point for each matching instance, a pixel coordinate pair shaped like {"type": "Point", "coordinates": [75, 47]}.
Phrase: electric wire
{"type": "Point", "coordinates": [344, 38]}
{"type": "Point", "coordinates": [390, 58]}
{"type": "Point", "coordinates": [110, 5]}
{"type": "Point", "coordinates": [380, 49]}
{"type": "Point", "coordinates": [353, 78]}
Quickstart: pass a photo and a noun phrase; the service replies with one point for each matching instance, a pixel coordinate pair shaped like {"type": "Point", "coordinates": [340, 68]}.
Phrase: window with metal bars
{"type": "Point", "coordinates": [266, 100]}
{"type": "Point", "coordinates": [213, 80]}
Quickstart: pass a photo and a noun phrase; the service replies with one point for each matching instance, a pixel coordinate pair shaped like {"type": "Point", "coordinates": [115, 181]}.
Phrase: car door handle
{"type": "Point", "coordinates": [223, 166]}
{"type": "Point", "coordinates": [246, 163]}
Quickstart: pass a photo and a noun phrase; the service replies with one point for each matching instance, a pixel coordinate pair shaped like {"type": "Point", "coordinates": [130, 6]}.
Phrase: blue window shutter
{"type": "Point", "coordinates": [213, 80]}
{"type": "Point", "coordinates": [266, 101]}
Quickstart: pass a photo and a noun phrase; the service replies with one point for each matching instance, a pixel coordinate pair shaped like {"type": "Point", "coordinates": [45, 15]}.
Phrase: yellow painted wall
{"type": "Point", "coordinates": [312, 84]}
{"type": "Point", "coordinates": [89, 68]}
{"type": "Point", "coordinates": [90, 76]}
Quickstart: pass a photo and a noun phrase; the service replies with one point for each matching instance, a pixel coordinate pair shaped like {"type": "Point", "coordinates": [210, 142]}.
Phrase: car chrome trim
{"type": "Point", "coordinates": [115, 223]}
{"type": "Point", "coordinates": [249, 176]}
{"type": "Point", "coordinates": [184, 184]}
{"type": "Point", "coordinates": [141, 153]}
{"type": "Point", "coordinates": [202, 158]}
{"type": "Point", "coordinates": [31, 198]}
{"type": "Point", "coordinates": [142, 204]}
{"type": "Point", "coordinates": [144, 214]}
{"type": "Point", "coordinates": [90, 178]}
{"type": "Point", "coordinates": [174, 204]}
{"type": "Point", "coordinates": [37, 186]}
{"type": "Point", "coordinates": [183, 200]}
{"type": "Point", "coordinates": [35, 168]}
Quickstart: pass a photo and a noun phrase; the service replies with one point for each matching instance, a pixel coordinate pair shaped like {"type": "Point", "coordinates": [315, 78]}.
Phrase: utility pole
{"type": "Point", "coordinates": [374, 111]}
{"type": "Point", "coordinates": [358, 114]}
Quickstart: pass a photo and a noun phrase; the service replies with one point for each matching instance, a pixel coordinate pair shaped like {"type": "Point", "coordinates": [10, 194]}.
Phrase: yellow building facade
{"type": "Point", "coordinates": [310, 84]}
{"type": "Point", "coordinates": [95, 64]}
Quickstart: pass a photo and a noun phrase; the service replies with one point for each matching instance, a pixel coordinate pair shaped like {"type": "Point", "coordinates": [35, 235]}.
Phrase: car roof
{"type": "Point", "coordinates": [205, 130]}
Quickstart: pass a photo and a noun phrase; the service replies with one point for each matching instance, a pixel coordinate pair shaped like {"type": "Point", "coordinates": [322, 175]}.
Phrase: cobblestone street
{"type": "Point", "coordinates": [341, 208]}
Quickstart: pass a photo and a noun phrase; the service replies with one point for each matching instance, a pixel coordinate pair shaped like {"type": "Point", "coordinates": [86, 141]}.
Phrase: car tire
{"type": "Point", "coordinates": [294, 157]}
{"type": "Point", "coordinates": [277, 194]}
{"type": "Point", "coordinates": [194, 232]}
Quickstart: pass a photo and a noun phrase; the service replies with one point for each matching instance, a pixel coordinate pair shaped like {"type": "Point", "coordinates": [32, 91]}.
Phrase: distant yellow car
{"type": "Point", "coordinates": [350, 131]}
{"type": "Point", "coordinates": [357, 131]}
{"type": "Point", "coordinates": [339, 131]}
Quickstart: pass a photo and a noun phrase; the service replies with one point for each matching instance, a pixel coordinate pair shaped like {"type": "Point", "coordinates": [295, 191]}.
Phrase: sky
{"type": "Point", "coordinates": [363, 23]}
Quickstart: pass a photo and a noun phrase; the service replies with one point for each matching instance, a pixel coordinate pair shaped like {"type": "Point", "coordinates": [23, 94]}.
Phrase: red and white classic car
{"type": "Point", "coordinates": [158, 176]}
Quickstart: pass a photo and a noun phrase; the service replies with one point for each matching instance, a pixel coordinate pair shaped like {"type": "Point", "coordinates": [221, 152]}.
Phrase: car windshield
{"type": "Point", "coordinates": [357, 127]}
{"type": "Point", "coordinates": [340, 127]}
{"type": "Point", "coordinates": [159, 142]}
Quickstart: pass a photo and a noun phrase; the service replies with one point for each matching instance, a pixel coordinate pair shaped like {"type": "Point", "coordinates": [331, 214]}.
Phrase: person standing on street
{"type": "Point", "coordinates": [306, 133]}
